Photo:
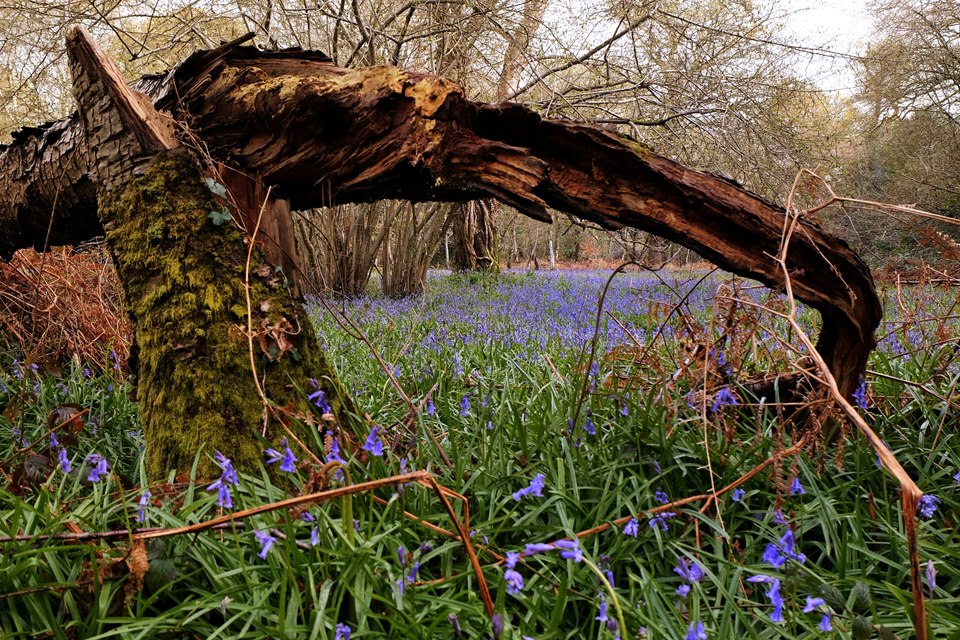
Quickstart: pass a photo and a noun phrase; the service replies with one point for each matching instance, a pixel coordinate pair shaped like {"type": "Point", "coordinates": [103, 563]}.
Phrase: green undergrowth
{"type": "Point", "coordinates": [499, 408]}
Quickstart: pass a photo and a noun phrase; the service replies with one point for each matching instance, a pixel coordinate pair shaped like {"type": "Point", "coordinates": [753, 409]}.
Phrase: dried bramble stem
{"type": "Point", "coordinates": [910, 492]}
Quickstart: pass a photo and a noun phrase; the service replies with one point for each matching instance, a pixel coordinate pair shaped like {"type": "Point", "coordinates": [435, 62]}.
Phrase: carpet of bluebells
{"type": "Point", "coordinates": [571, 433]}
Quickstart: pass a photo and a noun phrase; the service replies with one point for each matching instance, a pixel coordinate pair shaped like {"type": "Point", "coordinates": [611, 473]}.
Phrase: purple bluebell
{"type": "Point", "coordinates": [343, 632]}
{"type": "Point", "coordinates": [464, 405]}
{"type": "Point", "coordinates": [228, 476]}
{"type": "Point", "coordinates": [64, 460]}
{"type": "Point", "coordinates": [373, 444]}
{"type": "Point", "coordinates": [144, 503]}
{"type": "Point", "coordinates": [860, 395]}
{"type": "Point", "coordinates": [660, 520]}
{"type": "Point", "coordinates": [431, 408]}
{"type": "Point", "coordinates": [402, 556]}
{"type": "Point", "coordinates": [455, 622]}
{"type": "Point", "coordinates": [535, 488]}
{"type": "Point", "coordinates": [534, 548]}
{"type": "Point", "coordinates": [723, 398]}
{"type": "Point", "coordinates": [497, 623]}
{"type": "Point", "coordinates": [813, 603]}
{"type": "Point", "coordinates": [99, 466]}
{"type": "Point", "coordinates": [514, 581]}
{"type": "Point", "coordinates": [930, 573]}
{"type": "Point", "coordinates": [589, 427]}
{"type": "Point", "coordinates": [315, 536]}
{"type": "Point", "coordinates": [287, 460]}
{"type": "Point", "coordinates": [956, 477]}
{"type": "Point", "coordinates": [825, 623]}
{"type": "Point", "coordinates": [773, 594]}
{"type": "Point", "coordinates": [319, 397]}
{"type": "Point", "coordinates": [602, 615]}
{"type": "Point", "coordinates": [738, 495]}
{"type": "Point", "coordinates": [54, 442]}
{"type": "Point", "coordinates": [690, 573]}
{"type": "Point", "coordinates": [696, 632]}
{"type": "Point", "coordinates": [570, 550]}
{"type": "Point", "coordinates": [796, 489]}
{"type": "Point", "coordinates": [928, 505]}
{"type": "Point", "coordinates": [412, 575]}
{"type": "Point", "coordinates": [661, 496]}
{"type": "Point", "coordinates": [778, 517]}
{"type": "Point", "coordinates": [266, 542]}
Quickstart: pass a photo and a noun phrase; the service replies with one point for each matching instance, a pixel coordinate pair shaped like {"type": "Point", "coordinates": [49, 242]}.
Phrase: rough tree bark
{"type": "Point", "coordinates": [320, 133]}
{"type": "Point", "coordinates": [202, 315]}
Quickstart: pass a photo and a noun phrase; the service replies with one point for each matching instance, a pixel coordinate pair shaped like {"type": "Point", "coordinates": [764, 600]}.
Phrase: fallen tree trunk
{"type": "Point", "coordinates": [320, 134]}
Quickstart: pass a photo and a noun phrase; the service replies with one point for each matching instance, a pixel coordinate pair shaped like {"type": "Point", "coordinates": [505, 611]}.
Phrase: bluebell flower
{"type": "Point", "coordinates": [723, 398]}
{"type": "Point", "coordinates": [373, 444]}
{"type": "Point", "coordinates": [813, 603]}
{"type": "Point", "coordinates": [497, 623]}
{"type": "Point", "coordinates": [431, 408]}
{"type": "Point", "coordinates": [796, 489]}
{"type": "Point", "coordinates": [956, 477]}
{"type": "Point", "coordinates": [589, 427]}
{"type": "Point", "coordinates": [54, 443]}
{"type": "Point", "coordinates": [464, 405]}
{"type": "Point", "coordinates": [514, 581]}
{"type": "Point", "coordinates": [928, 505]}
{"type": "Point", "coordinates": [266, 542]}
{"type": "Point", "coordinates": [412, 576]}
{"type": "Point", "coordinates": [931, 576]}
{"type": "Point", "coordinates": [315, 536]}
{"type": "Point", "coordinates": [99, 467]}
{"type": "Point", "coordinates": [535, 488]}
{"type": "Point", "coordinates": [343, 632]}
{"type": "Point", "coordinates": [402, 556]}
{"type": "Point", "coordinates": [228, 477]}
{"type": "Point", "coordinates": [334, 455]}
{"type": "Point", "coordinates": [64, 460]}
{"type": "Point", "coordinates": [144, 502]}
{"type": "Point", "coordinates": [287, 460]}
{"type": "Point", "coordinates": [660, 520]}
{"type": "Point", "coordinates": [773, 594]}
{"type": "Point", "coordinates": [534, 548]}
{"type": "Point", "coordinates": [570, 550]}
{"type": "Point", "coordinates": [860, 395]}
{"type": "Point", "coordinates": [696, 632]}
{"type": "Point", "coordinates": [602, 615]}
{"type": "Point", "coordinates": [512, 558]}
{"type": "Point", "coordinates": [306, 516]}
{"type": "Point", "coordinates": [778, 517]}
{"type": "Point", "coordinates": [455, 622]}
{"type": "Point", "coordinates": [319, 397]}
{"type": "Point", "coordinates": [661, 496]}
{"type": "Point", "coordinates": [632, 528]}
{"type": "Point", "coordinates": [825, 623]}
{"type": "Point", "coordinates": [738, 495]}
{"type": "Point", "coordinates": [688, 571]}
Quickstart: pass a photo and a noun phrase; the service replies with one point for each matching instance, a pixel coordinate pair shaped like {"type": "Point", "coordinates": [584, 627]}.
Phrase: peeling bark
{"type": "Point", "coordinates": [321, 134]}
{"type": "Point", "coordinates": [201, 321]}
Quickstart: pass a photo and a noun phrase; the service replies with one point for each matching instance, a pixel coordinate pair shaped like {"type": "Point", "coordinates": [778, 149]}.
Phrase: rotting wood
{"type": "Point", "coordinates": [320, 134]}
{"type": "Point", "coordinates": [223, 351]}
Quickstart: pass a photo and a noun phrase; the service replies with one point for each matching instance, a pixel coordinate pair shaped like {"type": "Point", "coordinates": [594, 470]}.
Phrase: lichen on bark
{"type": "Point", "coordinates": [184, 284]}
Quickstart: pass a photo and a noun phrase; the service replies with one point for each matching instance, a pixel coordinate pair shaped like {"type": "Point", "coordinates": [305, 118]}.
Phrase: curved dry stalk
{"type": "Point", "coordinates": [910, 492]}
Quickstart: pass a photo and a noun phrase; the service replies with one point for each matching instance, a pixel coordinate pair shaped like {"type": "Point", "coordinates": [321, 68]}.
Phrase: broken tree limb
{"type": "Point", "coordinates": [223, 351]}
{"type": "Point", "coordinates": [320, 134]}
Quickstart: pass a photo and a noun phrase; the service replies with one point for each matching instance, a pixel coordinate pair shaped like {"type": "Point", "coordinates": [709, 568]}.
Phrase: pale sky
{"type": "Point", "coordinates": [843, 26]}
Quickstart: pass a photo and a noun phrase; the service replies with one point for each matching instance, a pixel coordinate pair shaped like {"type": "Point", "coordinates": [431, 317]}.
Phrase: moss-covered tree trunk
{"type": "Point", "coordinates": [223, 354]}
{"type": "Point", "coordinates": [184, 279]}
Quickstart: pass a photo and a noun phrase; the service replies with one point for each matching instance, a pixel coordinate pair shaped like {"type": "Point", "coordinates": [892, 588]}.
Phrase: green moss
{"type": "Point", "coordinates": [183, 281]}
